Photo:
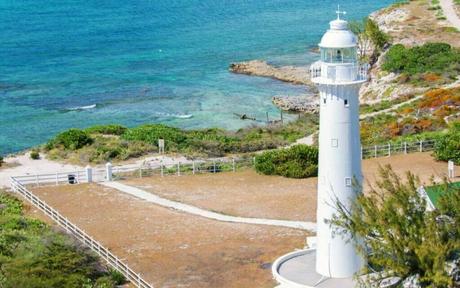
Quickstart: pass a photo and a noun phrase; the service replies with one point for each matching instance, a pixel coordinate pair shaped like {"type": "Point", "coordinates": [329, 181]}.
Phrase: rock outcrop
{"type": "Point", "coordinates": [300, 103]}
{"type": "Point", "coordinates": [292, 74]}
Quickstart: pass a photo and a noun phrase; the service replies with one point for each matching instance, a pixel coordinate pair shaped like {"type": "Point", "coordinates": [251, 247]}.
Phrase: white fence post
{"type": "Point", "coordinates": [178, 168]}
{"type": "Point", "coordinates": [108, 171]}
{"type": "Point", "coordinates": [233, 165]}
{"type": "Point", "coordinates": [214, 165]}
{"type": "Point", "coordinates": [57, 178]}
{"type": "Point", "coordinates": [405, 147]}
{"type": "Point", "coordinates": [451, 169]}
{"type": "Point", "coordinates": [389, 149]}
{"type": "Point", "coordinates": [193, 167]}
{"type": "Point", "coordinates": [89, 173]}
{"type": "Point", "coordinates": [140, 171]}
{"type": "Point", "coordinates": [421, 145]}
{"type": "Point", "coordinates": [375, 151]}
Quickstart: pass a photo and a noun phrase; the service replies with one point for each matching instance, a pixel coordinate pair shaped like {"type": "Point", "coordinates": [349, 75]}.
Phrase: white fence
{"type": "Point", "coordinates": [198, 166]}
{"type": "Point", "coordinates": [135, 278]}
{"type": "Point", "coordinates": [393, 149]}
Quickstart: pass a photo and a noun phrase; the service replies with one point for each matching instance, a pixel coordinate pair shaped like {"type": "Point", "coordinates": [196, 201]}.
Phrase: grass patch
{"type": "Point", "coordinates": [34, 255]}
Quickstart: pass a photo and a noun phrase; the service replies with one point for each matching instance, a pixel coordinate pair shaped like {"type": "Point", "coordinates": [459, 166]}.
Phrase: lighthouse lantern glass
{"type": "Point", "coordinates": [338, 55]}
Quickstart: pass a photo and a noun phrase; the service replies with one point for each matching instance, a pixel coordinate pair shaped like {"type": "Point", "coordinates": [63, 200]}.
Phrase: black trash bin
{"type": "Point", "coordinates": [72, 179]}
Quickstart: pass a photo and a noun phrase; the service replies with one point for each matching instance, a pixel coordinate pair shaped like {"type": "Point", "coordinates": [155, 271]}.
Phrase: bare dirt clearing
{"type": "Point", "coordinates": [249, 194]}
{"type": "Point", "coordinates": [173, 249]}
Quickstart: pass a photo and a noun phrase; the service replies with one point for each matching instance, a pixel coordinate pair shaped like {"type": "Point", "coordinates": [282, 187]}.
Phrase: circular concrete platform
{"type": "Point", "coordinates": [297, 270]}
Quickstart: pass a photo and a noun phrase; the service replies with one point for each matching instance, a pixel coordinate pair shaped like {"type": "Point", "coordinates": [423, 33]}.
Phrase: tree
{"type": "Point", "coordinates": [404, 240]}
{"type": "Point", "coordinates": [370, 37]}
{"type": "Point", "coordinates": [1, 160]}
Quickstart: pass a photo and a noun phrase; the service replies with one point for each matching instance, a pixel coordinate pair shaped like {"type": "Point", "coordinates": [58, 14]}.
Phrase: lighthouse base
{"type": "Point", "coordinates": [297, 270]}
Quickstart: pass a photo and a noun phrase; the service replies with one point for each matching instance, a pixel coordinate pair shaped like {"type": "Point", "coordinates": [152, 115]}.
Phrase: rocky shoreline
{"type": "Point", "coordinates": [298, 75]}
{"type": "Point", "coordinates": [301, 103]}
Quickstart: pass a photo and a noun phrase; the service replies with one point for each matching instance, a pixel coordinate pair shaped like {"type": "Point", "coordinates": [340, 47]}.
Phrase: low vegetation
{"type": "Point", "coordinates": [299, 161]}
{"type": "Point", "coordinates": [427, 116]}
{"type": "Point", "coordinates": [419, 247]}
{"type": "Point", "coordinates": [115, 143]}
{"type": "Point", "coordinates": [429, 64]}
{"type": "Point", "coordinates": [447, 146]}
{"type": "Point", "coordinates": [32, 254]}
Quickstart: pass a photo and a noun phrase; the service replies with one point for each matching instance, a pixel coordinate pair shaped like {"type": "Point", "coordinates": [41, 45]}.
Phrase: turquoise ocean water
{"type": "Point", "coordinates": [78, 63]}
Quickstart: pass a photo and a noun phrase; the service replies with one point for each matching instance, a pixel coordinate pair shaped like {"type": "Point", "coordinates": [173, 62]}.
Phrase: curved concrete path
{"type": "Point", "coordinates": [449, 11]}
{"type": "Point", "coordinates": [150, 197]}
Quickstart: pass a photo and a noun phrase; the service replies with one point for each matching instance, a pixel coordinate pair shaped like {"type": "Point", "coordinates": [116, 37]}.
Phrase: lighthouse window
{"type": "Point", "coordinates": [343, 55]}
{"type": "Point", "coordinates": [348, 181]}
{"type": "Point", "coordinates": [324, 100]}
{"type": "Point", "coordinates": [335, 143]}
{"type": "Point", "coordinates": [345, 102]}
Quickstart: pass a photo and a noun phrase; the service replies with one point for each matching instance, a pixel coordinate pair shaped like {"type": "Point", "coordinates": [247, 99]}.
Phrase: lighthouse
{"type": "Point", "coordinates": [338, 76]}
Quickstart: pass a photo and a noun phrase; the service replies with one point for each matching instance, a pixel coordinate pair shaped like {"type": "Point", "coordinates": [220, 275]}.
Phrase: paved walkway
{"type": "Point", "coordinates": [150, 197]}
{"type": "Point", "coordinates": [449, 11]}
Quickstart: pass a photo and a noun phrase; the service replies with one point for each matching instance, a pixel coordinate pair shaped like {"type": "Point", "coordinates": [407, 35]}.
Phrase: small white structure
{"type": "Point", "coordinates": [161, 146]}
{"type": "Point", "coordinates": [450, 169]}
{"type": "Point", "coordinates": [338, 76]}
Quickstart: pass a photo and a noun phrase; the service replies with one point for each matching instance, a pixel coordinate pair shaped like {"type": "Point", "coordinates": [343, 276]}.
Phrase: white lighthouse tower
{"type": "Point", "coordinates": [338, 76]}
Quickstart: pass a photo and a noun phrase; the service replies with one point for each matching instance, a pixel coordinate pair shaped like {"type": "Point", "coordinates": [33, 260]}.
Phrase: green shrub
{"type": "Point", "coordinates": [430, 57]}
{"type": "Point", "coordinates": [447, 146]}
{"type": "Point", "coordinates": [71, 139]}
{"type": "Point", "coordinates": [110, 129]}
{"type": "Point", "coordinates": [150, 133]}
{"type": "Point", "coordinates": [300, 161]}
{"type": "Point", "coordinates": [1, 160]}
{"type": "Point", "coordinates": [34, 155]}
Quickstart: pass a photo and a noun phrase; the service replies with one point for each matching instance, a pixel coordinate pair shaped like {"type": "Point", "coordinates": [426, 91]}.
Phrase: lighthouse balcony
{"type": "Point", "coordinates": [338, 73]}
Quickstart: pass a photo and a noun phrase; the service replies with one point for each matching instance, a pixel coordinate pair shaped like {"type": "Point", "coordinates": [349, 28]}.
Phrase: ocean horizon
{"type": "Point", "coordinates": [75, 63]}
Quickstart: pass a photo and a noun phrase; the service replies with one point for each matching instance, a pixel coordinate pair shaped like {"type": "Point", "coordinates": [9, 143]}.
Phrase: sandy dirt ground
{"type": "Point", "coordinates": [21, 164]}
{"type": "Point", "coordinates": [173, 249]}
{"type": "Point", "coordinates": [249, 194]}
{"type": "Point", "coordinates": [418, 24]}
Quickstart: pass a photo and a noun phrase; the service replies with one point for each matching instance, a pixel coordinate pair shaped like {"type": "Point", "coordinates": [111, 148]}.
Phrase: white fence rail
{"type": "Point", "coordinates": [199, 166]}
{"type": "Point", "coordinates": [135, 278]}
{"type": "Point", "coordinates": [389, 149]}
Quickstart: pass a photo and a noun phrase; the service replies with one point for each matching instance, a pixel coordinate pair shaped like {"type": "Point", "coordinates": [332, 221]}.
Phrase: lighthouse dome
{"type": "Point", "coordinates": [338, 36]}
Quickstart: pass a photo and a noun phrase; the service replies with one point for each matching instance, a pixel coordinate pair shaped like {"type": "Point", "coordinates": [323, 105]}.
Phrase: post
{"type": "Point", "coordinates": [214, 165]}
{"type": "Point", "coordinates": [78, 176]}
{"type": "Point", "coordinates": [89, 173]}
{"type": "Point", "coordinates": [140, 171]}
{"type": "Point", "coordinates": [450, 169]}
{"type": "Point", "coordinates": [405, 147]}
{"type": "Point", "coordinates": [421, 145]}
{"type": "Point", "coordinates": [254, 161]}
{"type": "Point", "coordinates": [361, 152]}
{"type": "Point", "coordinates": [268, 121]}
{"type": "Point", "coordinates": [233, 165]}
{"type": "Point", "coordinates": [57, 178]}
{"type": "Point", "coordinates": [193, 167]}
{"type": "Point", "coordinates": [389, 149]}
{"type": "Point", "coordinates": [36, 180]}
{"type": "Point", "coordinates": [178, 168]}
{"type": "Point", "coordinates": [375, 151]}
{"type": "Point", "coordinates": [108, 171]}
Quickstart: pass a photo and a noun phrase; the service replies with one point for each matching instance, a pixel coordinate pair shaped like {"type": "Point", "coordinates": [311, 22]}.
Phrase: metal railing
{"type": "Point", "coordinates": [320, 72]}
{"type": "Point", "coordinates": [135, 278]}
